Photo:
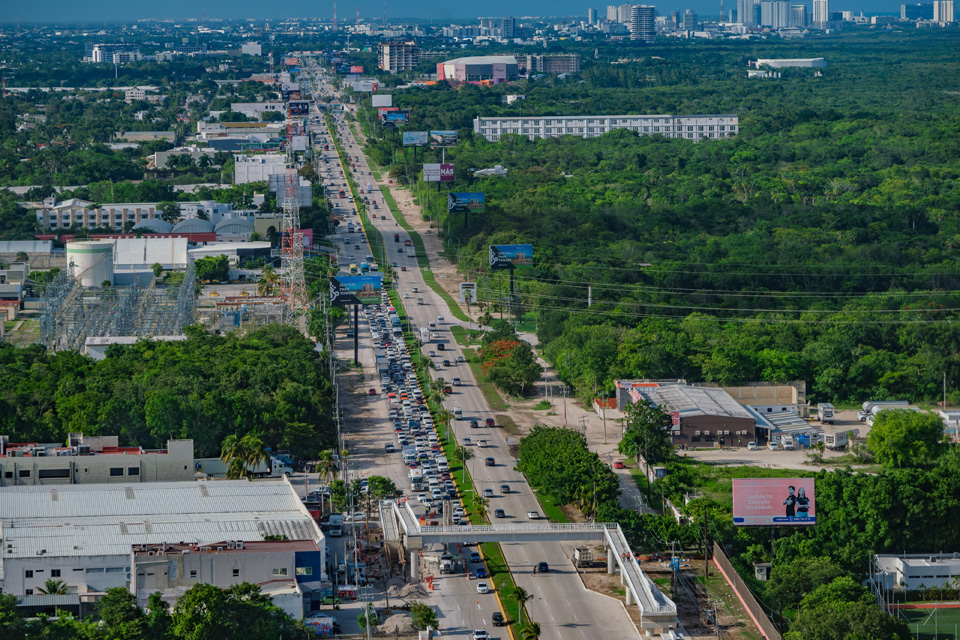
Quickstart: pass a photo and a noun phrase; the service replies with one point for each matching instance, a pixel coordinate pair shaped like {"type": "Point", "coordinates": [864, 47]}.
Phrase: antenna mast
{"type": "Point", "coordinates": [293, 286]}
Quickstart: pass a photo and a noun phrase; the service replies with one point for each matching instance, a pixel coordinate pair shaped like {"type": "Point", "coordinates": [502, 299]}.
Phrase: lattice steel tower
{"type": "Point", "coordinates": [293, 285]}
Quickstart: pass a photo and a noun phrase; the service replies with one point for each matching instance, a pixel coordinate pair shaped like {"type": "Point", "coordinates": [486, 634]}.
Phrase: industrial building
{"type": "Point", "coordinates": [687, 127]}
{"type": "Point", "coordinates": [134, 253]}
{"type": "Point", "coordinates": [88, 536]}
{"type": "Point", "coordinates": [120, 216]}
{"type": "Point", "coordinates": [92, 460]}
{"type": "Point", "coordinates": [257, 109]}
{"type": "Point", "coordinates": [397, 56]}
{"type": "Point", "coordinates": [553, 63]}
{"type": "Point", "coordinates": [477, 69]}
{"type": "Point", "coordinates": [258, 168]}
{"type": "Point", "coordinates": [39, 252]}
{"type": "Point", "coordinates": [280, 568]}
{"type": "Point", "coordinates": [703, 415]}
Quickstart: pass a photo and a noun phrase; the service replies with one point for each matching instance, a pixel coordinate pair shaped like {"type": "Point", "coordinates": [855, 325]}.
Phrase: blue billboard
{"type": "Point", "coordinates": [392, 118]}
{"type": "Point", "coordinates": [346, 290]}
{"type": "Point", "coordinates": [415, 138]}
{"type": "Point", "coordinates": [459, 202]}
{"type": "Point", "coordinates": [511, 256]}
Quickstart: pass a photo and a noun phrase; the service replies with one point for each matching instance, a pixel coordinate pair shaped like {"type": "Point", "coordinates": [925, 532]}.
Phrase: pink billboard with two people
{"type": "Point", "coordinates": [768, 502]}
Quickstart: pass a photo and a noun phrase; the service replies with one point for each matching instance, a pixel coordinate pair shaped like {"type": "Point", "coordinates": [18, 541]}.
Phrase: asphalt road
{"type": "Point", "coordinates": [562, 606]}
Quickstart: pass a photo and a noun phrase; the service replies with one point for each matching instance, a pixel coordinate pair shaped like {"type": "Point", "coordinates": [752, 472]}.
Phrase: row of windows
{"type": "Point", "coordinates": [65, 473]}
{"type": "Point", "coordinates": [722, 432]}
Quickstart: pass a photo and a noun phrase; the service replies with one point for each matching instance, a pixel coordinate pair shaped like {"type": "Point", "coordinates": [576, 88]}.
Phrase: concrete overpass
{"type": "Point", "coordinates": [401, 525]}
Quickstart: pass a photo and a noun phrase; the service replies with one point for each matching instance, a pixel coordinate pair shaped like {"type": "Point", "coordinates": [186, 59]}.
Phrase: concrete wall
{"type": "Point", "coordinates": [689, 427]}
{"type": "Point", "coordinates": [81, 574]}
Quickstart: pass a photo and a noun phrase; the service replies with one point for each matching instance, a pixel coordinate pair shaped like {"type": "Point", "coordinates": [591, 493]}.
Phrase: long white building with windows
{"type": "Point", "coordinates": [688, 127]}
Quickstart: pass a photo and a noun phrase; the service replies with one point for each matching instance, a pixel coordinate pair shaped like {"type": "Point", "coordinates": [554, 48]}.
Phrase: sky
{"type": "Point", "coordinates": [113, 10]}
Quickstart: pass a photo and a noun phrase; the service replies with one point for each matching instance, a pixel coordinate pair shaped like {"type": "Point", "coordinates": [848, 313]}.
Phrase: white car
{"type": "Point", "coordinates": [533, 515]}
{"type": "Point", "coordinates": [480, 634]}
{"type": "Point", "coordinates": [483, 587]}
{"type": "Point", "coordinates": [751, 446]}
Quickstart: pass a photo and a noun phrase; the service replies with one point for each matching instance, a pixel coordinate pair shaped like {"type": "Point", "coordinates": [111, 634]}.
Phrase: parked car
{"type": "Point", "coordinates": [618, 464]}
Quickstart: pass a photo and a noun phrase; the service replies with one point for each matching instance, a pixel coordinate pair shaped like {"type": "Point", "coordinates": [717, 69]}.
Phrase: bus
{"type": "Point", "coordinates": [353, 269]}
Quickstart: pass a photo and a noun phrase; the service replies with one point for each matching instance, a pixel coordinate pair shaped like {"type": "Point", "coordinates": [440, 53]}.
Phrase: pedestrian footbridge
{"type": "Point", "coordinates": [401, 525]}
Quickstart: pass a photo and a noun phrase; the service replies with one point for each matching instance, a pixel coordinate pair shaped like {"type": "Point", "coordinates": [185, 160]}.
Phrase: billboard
{"type": "Point", "coordinates": [438, 172]}
{"type": "Point", "coordinates": [366, 86]}
{"type": "Point", "coordinates": [468, 292]}
{"type": "Point", "coordinates": [393, 118]}
{"type": "Point", "coordinates": [385, 100]}
{"type": "Point", "coordinates": [465, 202]}
{"type": "Point", "coordinates": [356, 69]}
{"type": "Point", "coordinates": [299, 107]}
{"type": "Point", "coordinates": [383, 110]}
{"type": "Point", "coordinates": [443, 138]}
{"type": "Point", "coordinates": [346, 290]}
{"type": "Point", "coordinates": [511, 256]}
{"type": "Point", "coordinates": [414, 138]}
{"type": "Point", "coordinates": [768, 502]}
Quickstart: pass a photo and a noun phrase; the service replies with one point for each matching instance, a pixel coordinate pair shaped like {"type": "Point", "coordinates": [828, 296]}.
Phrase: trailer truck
{"type": "Point", "coordinates": [869, 407]}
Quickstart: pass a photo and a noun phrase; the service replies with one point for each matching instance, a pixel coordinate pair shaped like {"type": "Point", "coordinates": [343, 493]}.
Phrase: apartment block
{"type": "Point", "coordinates": [398, 56]}
{"type": "Point", "coordinates": [697, 127]}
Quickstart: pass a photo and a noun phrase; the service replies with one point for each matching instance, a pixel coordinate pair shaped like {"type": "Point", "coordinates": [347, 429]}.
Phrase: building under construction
{"type": "Point", "coordinates": [83, 302]}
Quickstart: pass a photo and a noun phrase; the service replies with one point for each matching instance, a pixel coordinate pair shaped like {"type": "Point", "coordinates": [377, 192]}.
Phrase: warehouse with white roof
{"type": "Point", "coordinates": [83, 535]}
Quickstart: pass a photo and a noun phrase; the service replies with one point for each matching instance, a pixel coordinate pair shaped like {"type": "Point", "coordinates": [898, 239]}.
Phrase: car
{"type": "Point", "coordinates": [533, 515]}
{"type": "Point", "coordinates": [446, 363]}
{"type": "Point", "coordinates": [490, 422]}
{"type": "Point", "coordinates": [751, 446]}
{"type": "Point", "coordinates": [480, 634]}
{"type": "Point", "coordinates": [482, 443]}
{"type": "Point", "coordinates": [504, 488]}
{"type": "Point", "coordinates": [619, 465]}
{"type": "Point", "coordinates": [488, 493]}
{"type": "Point", "coordinates": [475, 556]}
{"type": "Point", "coordinates": [499, 513]}
{"type": "Point", "coordinates": [456, 382]}
{"type": "Point", "coordinates": [481, 573]}
{"type": "Point", "coordinates": [448, 389]}
{"type": "Point", "coordinates": [389, 448]}
{"type": "Point", "coordinates": [543, 567]}
{"type": "Point", "coordinates": [329, 599]}
{"type": "Point", "coordinates": [489, 462]}
{"type": "Point", "coordinates": [483, 587]}
{"type": "Point", "coordinates": [467, 441]}
{"type": "Point", "coordinates": [432, 353]}
{"type": "Point", "coordinates": [474, 424]}
{"type": "Point", "coordinates": [460, 359]}
{"type": "Point", "coordinates": [498, 620]}
{"type": "Point", "coordinates": [372, 392]}
{"type": "Point", "coordinates": [402, 268]}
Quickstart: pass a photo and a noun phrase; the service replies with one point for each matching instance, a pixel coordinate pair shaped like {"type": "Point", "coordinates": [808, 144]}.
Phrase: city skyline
{"type": "Point", "coordinates": [370, 10]}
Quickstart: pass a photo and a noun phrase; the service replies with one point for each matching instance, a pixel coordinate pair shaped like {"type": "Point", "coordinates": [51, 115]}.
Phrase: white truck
{"type": "Point", "coordinates": [788, 443]}
{"type": "Point", "coordinates": [424, 335]}
{"type": "Point", "coordinates": [825, 412]}
{"type": "Point", "coordinates": [840, 440]}
{"type": "Point", "coordinates": [870, 406]}
{"type": "Point", "coordinates": [335, 525]}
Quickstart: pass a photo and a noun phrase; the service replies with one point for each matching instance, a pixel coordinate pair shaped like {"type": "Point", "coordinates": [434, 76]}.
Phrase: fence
{"type": "Point", "coordinates": [760, 619]}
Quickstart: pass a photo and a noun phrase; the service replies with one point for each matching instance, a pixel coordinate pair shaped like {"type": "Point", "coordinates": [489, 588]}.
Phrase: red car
{"type": "Point", "coordinates": [372, 392]}
{"type": "Point", "coordinates": [448, 390]}
{"type": "Point", "coordinates": [618, 465]}
{"type": "Point", "coordinates": [490, 422]}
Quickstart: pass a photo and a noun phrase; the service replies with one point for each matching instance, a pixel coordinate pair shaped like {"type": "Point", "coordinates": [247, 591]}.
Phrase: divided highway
{"type": "Point", "coordinates": [561, 604]}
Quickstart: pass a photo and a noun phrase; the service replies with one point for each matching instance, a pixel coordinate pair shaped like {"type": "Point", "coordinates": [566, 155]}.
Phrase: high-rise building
{"type": "Point", "coordinates": [398, 56]}
{"type": "Point", "coordinates": [643, 22]}
{"type": "Point", "coordinates": [689, 21]}
{"type": "Point", "coordinates": [508, 28]}
{"type": "Point", "coordinates": [821, 13]}
{"type": "Point", "coordinates": [775, 14]}
{"type": "Point", "coordinates": [591, 16]}
{"type": "Point", "coordinates": [798, 15]}
{"type": "Point", "coordinates": [612, 12]}
{"type": "Point", "coordinates": [623, 13]}
{"type": "Point", "coordinates": [745, 12]}
{"type": "Point", "coordinates": [943, 11]}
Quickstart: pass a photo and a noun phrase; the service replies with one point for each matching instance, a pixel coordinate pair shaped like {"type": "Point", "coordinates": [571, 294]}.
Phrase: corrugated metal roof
{"type": "Point", "coordinates": [27, 246]}
{"type": "Point", "coordinates": [84, 520]}
{"type": "Point", "coordinates": [698, 401]}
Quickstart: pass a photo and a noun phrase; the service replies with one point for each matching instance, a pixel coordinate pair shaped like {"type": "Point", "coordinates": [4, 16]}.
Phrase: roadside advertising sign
{"type": "Point", "coordinates": [415, 138]}
{"type": "Point", "coordinates": [771, 502]}
{"type": "Point", "coordinates": [507, 256]}
{"type": "Point", "coordinates": [443, 139]}
{"type": "Point", "coordinates": [465, 202]}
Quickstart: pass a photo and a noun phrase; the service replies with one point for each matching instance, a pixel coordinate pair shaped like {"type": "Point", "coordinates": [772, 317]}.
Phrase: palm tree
{"type": "Point", "coordinates": [531, 631]}
{"type": "Point", "coordinates": [482, 504]}
{"type": "Point", "coordinates": [327, 471]}
{"type": "Point", "coordinates": [268, 282]}
{"type": "Point", "coordinates": [521, 597]}
{"type": "Point", "coordinates": [53, 588]}
{"type": "Point", "coordinates": [243, 455]}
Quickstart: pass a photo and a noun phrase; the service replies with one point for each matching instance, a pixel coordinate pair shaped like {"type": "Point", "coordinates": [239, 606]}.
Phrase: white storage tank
{"type": "Point", "coordinates": [91, 262]}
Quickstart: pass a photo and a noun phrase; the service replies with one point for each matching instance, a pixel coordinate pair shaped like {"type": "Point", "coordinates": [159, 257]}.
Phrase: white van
{"type": "Point", "coordinates": [439, 320]}
{"type": "Point", "coordinates": [458, 413]}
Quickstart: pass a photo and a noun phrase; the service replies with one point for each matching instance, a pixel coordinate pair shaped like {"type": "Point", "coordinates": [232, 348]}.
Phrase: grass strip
{"type": "Point", "coordinates": [489, 391]}
{"type": "Point", "coordinates": [550, 508]}
{"type": "Point", "coordinates": [460, 335]}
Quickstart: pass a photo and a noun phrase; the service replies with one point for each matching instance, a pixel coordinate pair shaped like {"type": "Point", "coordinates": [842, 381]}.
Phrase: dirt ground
{"type": "Point", "coordinates": [733, 619]}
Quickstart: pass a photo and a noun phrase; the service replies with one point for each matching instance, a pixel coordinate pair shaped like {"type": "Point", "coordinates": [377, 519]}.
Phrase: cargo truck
{"type": "Point", "coordinates": [825, 411]}
{"type": "Point", "coordinates": [335, 525]}
{"type": "Point", "coordinates": [870, 405]}
{"type": "Point", "coordinates": [840, 440]}
{"type": "Point", "coordinates": [424, 335]}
